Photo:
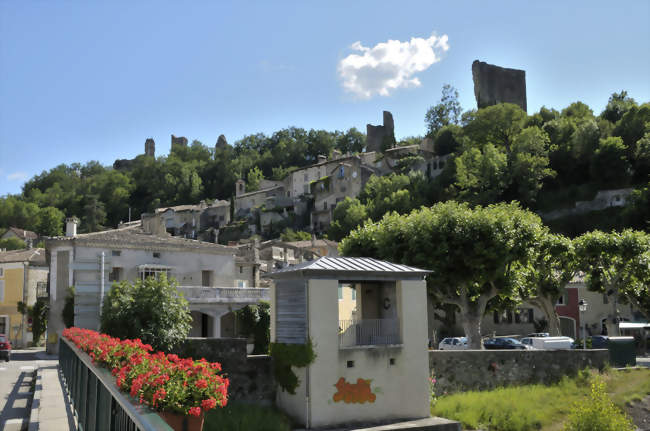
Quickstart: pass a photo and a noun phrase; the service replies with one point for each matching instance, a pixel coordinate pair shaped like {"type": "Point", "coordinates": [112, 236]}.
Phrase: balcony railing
{"type": "Point", "coordinates": [369, 332]}
{"type": "Point", "coordinates": [224, 294]}
{"type": "Point", "coordinates": [95, 400]}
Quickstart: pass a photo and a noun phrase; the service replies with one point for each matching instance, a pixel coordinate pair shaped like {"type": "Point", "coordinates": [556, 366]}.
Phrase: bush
{"type": "Point", "coordinates": [68, 308]}
{"type": "Point", "coordinates": [597, 413]}
{"type": "Point", "coordinates": [255, 321]}
{"type": "Point", "coordinates": [152, 310]}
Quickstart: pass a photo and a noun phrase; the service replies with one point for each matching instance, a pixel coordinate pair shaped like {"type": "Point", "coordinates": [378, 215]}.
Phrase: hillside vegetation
{"type": "Point", "coordinates": [546, 160]}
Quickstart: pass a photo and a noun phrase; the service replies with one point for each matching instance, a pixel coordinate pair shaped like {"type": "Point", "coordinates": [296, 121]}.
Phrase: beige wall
{"type": "Point", "coordinates": [400, 390]}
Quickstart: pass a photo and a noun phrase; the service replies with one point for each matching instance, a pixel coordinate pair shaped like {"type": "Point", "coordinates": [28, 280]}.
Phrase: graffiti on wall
{"type": "Point", "coordinates": [358, 392]}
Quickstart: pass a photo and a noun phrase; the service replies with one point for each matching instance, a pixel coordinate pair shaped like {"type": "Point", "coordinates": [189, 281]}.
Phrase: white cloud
{"type": "Point", "coordinates": [389, 65]}
{"type": "Point", "coordinates": [17, 176]}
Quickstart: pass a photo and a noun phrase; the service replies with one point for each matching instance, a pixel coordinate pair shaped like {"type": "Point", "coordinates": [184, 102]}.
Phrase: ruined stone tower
{"type": "Point", "coordinates": [380, 138]}
{"type": "Point", "coordinates": [150, 147]}
{"type": "Point", "coordinates": [494, 84]}
{"type": "Point", "coordinates": [221, 143]}
{"type": "Point", "coordinates": [181, 140]}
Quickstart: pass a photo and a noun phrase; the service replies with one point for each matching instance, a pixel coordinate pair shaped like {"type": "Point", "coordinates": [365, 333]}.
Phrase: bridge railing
{"type": "Point", "coordinates": [97, 403]}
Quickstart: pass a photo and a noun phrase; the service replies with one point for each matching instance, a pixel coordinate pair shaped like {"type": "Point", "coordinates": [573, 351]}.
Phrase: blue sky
{"type": "Point", "coordinates": [84, 81]}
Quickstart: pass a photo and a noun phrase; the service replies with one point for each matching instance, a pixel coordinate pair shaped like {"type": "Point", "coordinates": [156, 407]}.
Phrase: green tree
{"type": "Point", "coordinates": [481, 175]}
{"type": "Point", "coordinates": [447, 111]}
{"type": "Point", "coordinates": [497, 125]}
{"type": "Point", "coordinates": [394, 192]}
{"type": "Point", "coordinates": [474, 254]}
{"type": "Point", "coordinates": [530, 163]}
{"type": "Point", "coordinates": [12, 243]}
{"type": "Point", "coordinates": [637, 211]}
{"type": "Point", "coordinates": [152, 310]}
{"type": "Point", "coordinates": [254, 177]}
{"type": "Point", "coordinates": [642, 158]}
{"type": "Point", "coordinates": [94, 215]}
{"type": "Point", "coordinates": [551, 268]}
{"type": "Point", "coordinates": [610, 165]}
{"type": "Point", "coordinates": [290, 235]}
{"type": "Point", "coordinates": [617, 106]}
{"type": "Point", "coordinates": [617, 263]}
{"type": "Point", "coordinates": [347, 215]}
{"type": "Point", "coordinates": [50, 221]}
{"type": "Point", "coordinates": [447, 139]}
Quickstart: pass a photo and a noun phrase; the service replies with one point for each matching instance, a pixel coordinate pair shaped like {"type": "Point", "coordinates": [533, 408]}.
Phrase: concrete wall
{"type": "Point", "coordinates": [462, 370]}
{"type": "Point", "coordinates": [251, 377]}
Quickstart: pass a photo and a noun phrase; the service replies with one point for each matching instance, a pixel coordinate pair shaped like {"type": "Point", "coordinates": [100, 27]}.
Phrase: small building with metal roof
{"type": "Point", "coordinates": [367, 322]}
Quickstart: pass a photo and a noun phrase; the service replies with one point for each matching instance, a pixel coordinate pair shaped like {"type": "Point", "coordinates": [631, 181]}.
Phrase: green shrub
{"type": "Point", "coordinates": [151, 310]}
{"type": "Point", "coordinates": [68, 308]}
{"type": "Point", "coordinates": [597, 413]}
{"type": "Point", "coordinates": [286, 356]}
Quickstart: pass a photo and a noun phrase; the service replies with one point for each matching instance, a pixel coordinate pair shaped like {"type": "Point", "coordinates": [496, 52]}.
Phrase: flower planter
{"type": "Point", "coordinates": [181, 422]}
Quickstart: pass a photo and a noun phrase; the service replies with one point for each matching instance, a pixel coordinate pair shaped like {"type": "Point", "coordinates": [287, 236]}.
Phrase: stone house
{"type": "Point", "coordinates": [192, 221]}
{"type": "Point", "coordinates": [27, 236]}
{"type": "Point", "coordinates": [210, 276]}
{"type": "Point", "coordinates": [23, 278]}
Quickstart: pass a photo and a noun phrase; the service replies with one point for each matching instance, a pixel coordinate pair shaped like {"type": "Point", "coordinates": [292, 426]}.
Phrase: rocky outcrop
{"type": "Point", "coordinates": [380, 138]}
{"type": "Point", "coordinates": [494, 84]}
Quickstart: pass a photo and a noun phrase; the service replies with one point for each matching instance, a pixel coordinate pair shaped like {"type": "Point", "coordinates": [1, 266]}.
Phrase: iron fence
{"type": "Point", "coordinates": [98, 405]}
{"type": "Point", "coordinates": [369, 332]}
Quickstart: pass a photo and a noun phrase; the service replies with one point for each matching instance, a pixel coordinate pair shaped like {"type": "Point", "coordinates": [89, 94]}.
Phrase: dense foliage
{"type": "Point", "coordinates": [151, 310]}
{"type": "Point", "coordinates": [496, 154]}
{"type": "Point", "coordinates": [475, 254]}
{"type": "Point", "coordinates": [286, 356]}
{"type": "Point", "coordinates": [255, 321]}
{"type": "Point", "coordinates": [163, 382]}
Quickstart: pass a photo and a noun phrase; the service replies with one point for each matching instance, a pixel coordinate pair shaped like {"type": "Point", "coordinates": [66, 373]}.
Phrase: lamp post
{"type": "Point", "coordinates": [582, 306]}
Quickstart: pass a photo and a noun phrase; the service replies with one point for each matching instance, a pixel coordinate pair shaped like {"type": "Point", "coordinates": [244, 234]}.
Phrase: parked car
{"type": "Point", "coordinates": [549, 343]}
{"type": "Point", "coordinates": [5, 348]}
{"type": "Point", "coordinates": [504, 343]}
{"type": "Point", "coordinates": [453, 343]}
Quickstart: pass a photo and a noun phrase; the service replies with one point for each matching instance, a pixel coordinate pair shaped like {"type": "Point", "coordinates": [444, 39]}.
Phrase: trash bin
{"type": "Point", "coordinates": [622, 351]}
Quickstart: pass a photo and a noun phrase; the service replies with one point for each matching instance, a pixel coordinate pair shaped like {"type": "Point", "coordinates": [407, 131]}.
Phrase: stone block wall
{"type": "Point", "coordinates": [251, 377]}
{"type": "Point", "coordinates": [463, 370]}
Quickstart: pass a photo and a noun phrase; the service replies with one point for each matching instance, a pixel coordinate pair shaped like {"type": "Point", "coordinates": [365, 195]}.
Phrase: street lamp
{"type": "Point", "coordinates": [582, 306]}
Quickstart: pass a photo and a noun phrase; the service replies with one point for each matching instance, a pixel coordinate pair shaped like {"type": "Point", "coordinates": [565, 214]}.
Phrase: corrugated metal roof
{"type": "Point", "coordinates": [357, 265]}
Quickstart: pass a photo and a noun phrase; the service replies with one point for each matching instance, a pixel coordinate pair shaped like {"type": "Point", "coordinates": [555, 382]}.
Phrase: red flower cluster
{"type": "Point", "coordinates": [164, 382]}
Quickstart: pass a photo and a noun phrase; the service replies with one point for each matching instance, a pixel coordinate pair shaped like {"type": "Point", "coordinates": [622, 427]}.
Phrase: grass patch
{"type": "Point", "coordinates": [535, 407]}
{"type": "Point", "coordinates": [246, 417]}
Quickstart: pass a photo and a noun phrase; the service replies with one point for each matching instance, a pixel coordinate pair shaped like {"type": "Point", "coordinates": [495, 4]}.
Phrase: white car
{"type": "Point", "coordinates": [453, 343]}
{"type": "Point", "coordinates": [551, 343]}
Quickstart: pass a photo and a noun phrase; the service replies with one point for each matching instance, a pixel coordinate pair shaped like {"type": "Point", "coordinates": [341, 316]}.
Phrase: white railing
{"type": "Point", "coordinates": [224, 294]}
{"type": "Point", "coordinates": [369, 332]}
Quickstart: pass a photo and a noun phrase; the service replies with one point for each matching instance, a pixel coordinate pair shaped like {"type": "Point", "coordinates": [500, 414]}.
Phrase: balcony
{"type": "Point", "coordinates": [224, 295]}
{"type": "Point", "coordinates": [369, 332]}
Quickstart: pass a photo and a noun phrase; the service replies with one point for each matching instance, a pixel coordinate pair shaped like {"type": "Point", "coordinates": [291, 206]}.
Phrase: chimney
{"type": "Point", "coordinates": [322, 158]}
{"type": "Point", "coordinates": [71, 226]}
{"type": "Point", "coordinates": [240, 187]}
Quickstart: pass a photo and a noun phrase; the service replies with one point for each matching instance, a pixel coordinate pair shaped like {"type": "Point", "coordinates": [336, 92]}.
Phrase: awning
{"type": "Point", "coordinates": [633, 325]}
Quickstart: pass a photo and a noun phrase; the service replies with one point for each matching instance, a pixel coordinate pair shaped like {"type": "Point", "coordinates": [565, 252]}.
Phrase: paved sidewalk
{"type": "Point", "coordinates": [54, 411]}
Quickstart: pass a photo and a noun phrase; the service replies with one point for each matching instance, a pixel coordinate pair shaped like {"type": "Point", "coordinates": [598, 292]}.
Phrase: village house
{"type": "Point", "coordinates": [193, 221]}
{"type": "Point", "coordinates": [215, 279]}
{"type": "Point", "coordinates": [23, 278]}
{"type": "Point", "coordinates": [27, 236]}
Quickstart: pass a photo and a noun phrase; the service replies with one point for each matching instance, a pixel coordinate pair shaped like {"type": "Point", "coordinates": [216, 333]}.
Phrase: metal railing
{"type": "Point", "coordinates": [97, 403]}
{"type": "Point", "coordinates": [224, 294]}
{"type": "Point", "coordinates": [369, 332]}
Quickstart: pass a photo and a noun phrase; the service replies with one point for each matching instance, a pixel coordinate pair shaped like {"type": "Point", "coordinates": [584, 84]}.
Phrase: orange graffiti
{"type": "Point", "coordinates": [354, 393]}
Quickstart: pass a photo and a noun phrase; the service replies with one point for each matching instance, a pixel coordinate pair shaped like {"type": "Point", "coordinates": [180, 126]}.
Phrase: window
{"type": "Point", "coordinates": [241, 269]}
{"type": "Point", "coordinates": [206, 278]}
{"type": "Point", "coordinates": [241, 283]}
{"type": "Point", "coordinates": [222, 218]}
{"type": "Point", "coordinates": [116, 253]}
{"type": "Point", "coordinates": [4, 325]}
{"type": "Point", "coordinates": [354, 293]}
{"type": "Point", "coordinates": [146, 272]}
{"type": "Point", "coordinates": [156, 254]}
{"type": "Point", "coordinates": [341, 171]}
{"type": "Point", "coordinates": [41, 289]}
{"type": "Point", "coordinates": [340, 292]}
{"type": "Point", "coordinates": [2, 272]}
{"type": "Point", "coordinates": [2, 290]}
{"type": "Point", "coordinates": [325, 205]}
{"type": "Point", "coordinates": [115, 274]}
{"type": "Point", "coordinates": [560, 300]}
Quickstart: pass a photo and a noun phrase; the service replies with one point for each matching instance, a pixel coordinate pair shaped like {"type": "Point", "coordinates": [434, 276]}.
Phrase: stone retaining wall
{"type": "Point", "coordinates": [463, 370]}
{"type": "Point", "coordinates": [251, 377]}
